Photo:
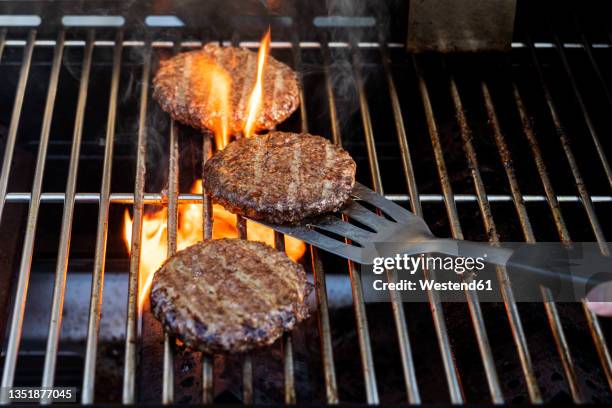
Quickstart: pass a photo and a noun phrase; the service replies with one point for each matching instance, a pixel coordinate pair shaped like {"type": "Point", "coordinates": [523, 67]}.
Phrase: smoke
{"type": "Point", "coordinates": [342, 66]}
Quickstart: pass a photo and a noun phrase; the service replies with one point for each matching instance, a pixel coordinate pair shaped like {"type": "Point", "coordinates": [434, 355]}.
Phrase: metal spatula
{"type": "Point", "coordinates": [390, 229]}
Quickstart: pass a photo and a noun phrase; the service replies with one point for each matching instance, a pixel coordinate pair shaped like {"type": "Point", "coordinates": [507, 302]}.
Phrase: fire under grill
{"type": "Point", "coordinates": [491, 147]}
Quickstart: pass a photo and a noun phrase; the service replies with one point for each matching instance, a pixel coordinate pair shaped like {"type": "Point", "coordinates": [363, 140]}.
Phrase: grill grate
{"type": "Point", "coordinates": [468, 137]}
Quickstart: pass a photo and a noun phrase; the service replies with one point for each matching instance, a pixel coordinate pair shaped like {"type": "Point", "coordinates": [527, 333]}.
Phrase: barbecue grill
{"type": "Point", "coordinates": [486, 146]}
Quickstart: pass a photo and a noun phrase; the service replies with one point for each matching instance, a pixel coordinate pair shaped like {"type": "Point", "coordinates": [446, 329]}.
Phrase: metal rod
{"type": "Point", "coordinates": [207, 231]}
{"type": "Point", "coordinates": [21, 293]}
{"type": "Point", "coordinates": [514, 318]}
{"type": "Point", "coordinates": [540, 165]}
{"type": "Point", "coordinates": [600, 342]}
{"type": "Point", "coordinates": [396, 303]}
{"type": "Point", "coordinates": [329, 367]}
{"type": "Point", "coordinates": [587, 117]}
{"type": "Point", "coordinates": [363, 333]}
{"type": "Point", "coordinates": [448, 360]}
{"type": "Point", "coordinates": [457, 232]}
{"type": "Point", "coordinates": [247, 379]}
{"type": "Point", "coordinates": [9, 147]}
{"type": "Point", "coordinates": [279, 44]}
{"type": "Point", "coordinates": [550, 307]}
{"type": "Point", "coordinates": [402, 139]}
{"type": "Point", "coordinates": [508, 164]}
{"type": "Point", "coordinates": [3, 42]}
{"type": "Point", "coordinates": [190, 198]}
{"type": "Point", "coordinates": [367, 125]}
{"type": "Point", "coordinates": [327, 351]}
{"type": "Point", "coordinates": [173, 193]}
{"type": "Point", "coordinates": [562, 346]}
{"type": "Point", "coordinates": [61, 270]}
{"type": "Point", "coordinates": [173, 190]}
{"type": "Point", "coordinates": [247, 363]}
{"type": "Point", "coordinates": [133, 311]}
{"type": "Point", "coordinates": [97, 283]}
{"type": "Point", "coordinates": [289, 369]}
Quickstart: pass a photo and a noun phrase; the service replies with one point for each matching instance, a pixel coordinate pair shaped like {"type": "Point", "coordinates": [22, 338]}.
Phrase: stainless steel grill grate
{"type": "Point", "coordinates": [390, 61]}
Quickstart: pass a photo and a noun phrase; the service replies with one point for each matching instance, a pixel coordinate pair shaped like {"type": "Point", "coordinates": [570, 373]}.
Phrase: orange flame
{"type": "Point", "coordinates": [153, 246]}
{"type": "Point", "coordinates": [215, 87]}
{"type": "Point", "coordinates": [256, 98]}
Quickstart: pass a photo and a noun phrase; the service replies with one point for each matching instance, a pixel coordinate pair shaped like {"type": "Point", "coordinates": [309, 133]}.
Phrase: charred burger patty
{"type": "Point", "coordinates": [229, 295]}
{"type": "Point", "coordinates": [183, 86]}
{"type": "Point", "coordinates": [280, 177]}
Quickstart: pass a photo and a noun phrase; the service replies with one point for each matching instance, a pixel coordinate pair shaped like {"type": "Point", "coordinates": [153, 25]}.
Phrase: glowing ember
{"type": "Point", "coordinates": [256, 98]}
{"type": "Point", "coordinates": [155, 235]}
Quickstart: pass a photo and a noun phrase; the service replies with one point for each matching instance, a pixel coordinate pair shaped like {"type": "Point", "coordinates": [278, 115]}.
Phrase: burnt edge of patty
{"type": "Point", "coordinates": [195, 334]}
{"type": "Point", "coordinates": [232, 194]}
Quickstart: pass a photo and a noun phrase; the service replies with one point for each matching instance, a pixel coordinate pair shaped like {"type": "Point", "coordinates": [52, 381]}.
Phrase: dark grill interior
{"type": "Point", "coordinates": [507, 172]}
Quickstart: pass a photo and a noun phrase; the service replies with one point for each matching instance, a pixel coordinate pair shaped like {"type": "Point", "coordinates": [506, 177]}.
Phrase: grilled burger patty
{"type": "Point", "coordinates": [229, 295]}
{"type": "Point", "coordinates": [183, 83]}
{"type": "Point", "coordinates": [280, 177]}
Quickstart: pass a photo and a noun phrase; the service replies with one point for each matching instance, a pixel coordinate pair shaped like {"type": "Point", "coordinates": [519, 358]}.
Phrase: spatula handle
{"type": "Point", "coordinates": [545, 263]}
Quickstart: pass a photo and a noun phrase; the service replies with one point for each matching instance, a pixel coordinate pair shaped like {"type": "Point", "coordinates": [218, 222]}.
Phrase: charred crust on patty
{"type": "Point", "coordinates": [182, 88]}
{"type": "Point", "coordinates": [229, 295]}
{"type": "Point", "coordinates": [280, 177]}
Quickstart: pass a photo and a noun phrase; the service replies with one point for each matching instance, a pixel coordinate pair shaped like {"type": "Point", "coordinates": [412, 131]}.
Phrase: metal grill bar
{"type": "Point", "coordinates": [207, 228]}
{"type": "Point", "coordinates": [450, 368]}
{"type": "Point", "coordinates": [329, 368]}
{"type": "Point", "coordinates": [3, 42]}
{"type": "Point", "coordinates": [396, 304]}
{"type": "Point", "coordinates": [187, 198]}
{"type": "Point", "coordinates": [471, 296]}
{"type": "Point", "coordinates": [357, 292]}
{"type": "Point", "coordinates": [550, 307]}
{"type": "Point", "coordinates": [485, 209]}
{"type": "Point", "coordinates": [173, 189]}
{"type": "Point", "coordinates": [405, 347]}
{"type": "Point", "coordinates": [93, 326]}
{"type": "Point", "coordinates": [281, 44]}
{"type": "Point", "coordinates": [55, 321]}
{"type": "Point", "coordinates": [9, 148]}
{"type": "Point", "coordinates": [133, 312]}
{"type": "Point", "coordinates": [539, 161]}
{"type": "Point", "coordinates": [173, 166]}
{"type": "Point", "coordinates": [600, 342]}
{"type": "Point", "coordinates": [12, 350]}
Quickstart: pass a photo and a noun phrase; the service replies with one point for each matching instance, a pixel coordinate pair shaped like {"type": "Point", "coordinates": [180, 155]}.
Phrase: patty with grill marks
{"type": "Point", "coordinates": [280, 177]}
{"type": "Point", "coordinates": [183, 84]}
{"type": "Point", "coordinates": [229, 295]}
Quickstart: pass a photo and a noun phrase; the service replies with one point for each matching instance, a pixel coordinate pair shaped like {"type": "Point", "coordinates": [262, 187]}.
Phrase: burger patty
{"type": "Point", "coordinates": [280, 177]}
{"type": "Point", "coordinates": [229, 295]}
{"type": "Point", "coordinates": [184, 83]}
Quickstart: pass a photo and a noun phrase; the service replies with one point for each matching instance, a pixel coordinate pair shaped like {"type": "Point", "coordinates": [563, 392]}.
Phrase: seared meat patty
{"type": "Point", "coordinates": [229, 295]}
{"type": "Point", "coordinates": [280, 177]}
{"type": "Point", "coordinates": [183, 83]}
